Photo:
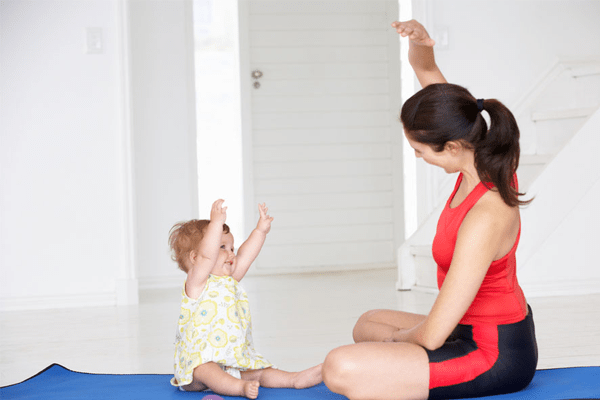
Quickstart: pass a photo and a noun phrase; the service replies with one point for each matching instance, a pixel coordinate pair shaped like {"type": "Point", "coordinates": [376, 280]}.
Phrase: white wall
{"type": "Point", "coordinates": [72, 126]}
{"type": "Point", "coordinates": [498, 49]}
{"type": "Point", "coordinates": [61, 199]}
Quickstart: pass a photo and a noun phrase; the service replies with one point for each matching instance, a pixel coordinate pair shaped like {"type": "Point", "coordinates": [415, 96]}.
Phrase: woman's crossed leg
{"type": "Point", "coordinates": [373, 369]}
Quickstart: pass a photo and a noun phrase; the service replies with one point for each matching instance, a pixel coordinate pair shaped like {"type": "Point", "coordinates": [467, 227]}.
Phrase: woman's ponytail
{"type": "Point", "coordinates": [444, 112]}
{"type": "Point", "coordinates": [497, 152]}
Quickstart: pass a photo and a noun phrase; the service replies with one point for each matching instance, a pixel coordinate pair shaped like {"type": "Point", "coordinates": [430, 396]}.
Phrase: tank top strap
{"type": "Point", "coordinates": [456, 186]}
{"type": "Point", "coordinates": [479, 190]}
{"type": "Point", "coordinates": [472, 198]}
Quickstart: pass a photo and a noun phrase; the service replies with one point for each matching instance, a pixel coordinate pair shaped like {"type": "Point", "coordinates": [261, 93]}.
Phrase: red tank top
{"type": "Point", "coordinates": [500, 299]}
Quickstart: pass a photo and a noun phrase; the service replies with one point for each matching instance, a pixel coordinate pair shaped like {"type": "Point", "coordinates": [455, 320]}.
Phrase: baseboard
{"type": "Point", "coordinates": [422, 289]}
{"type": "Point", "coordinates": [62, 301]}
{"type": "Point", "coordinates": [127, 291]}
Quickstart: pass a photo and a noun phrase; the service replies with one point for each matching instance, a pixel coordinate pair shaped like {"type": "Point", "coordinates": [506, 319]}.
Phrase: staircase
{"type": "Point", "coordinates": [549, 115]}
{"type": "Point", "coordinates": [553, 111]}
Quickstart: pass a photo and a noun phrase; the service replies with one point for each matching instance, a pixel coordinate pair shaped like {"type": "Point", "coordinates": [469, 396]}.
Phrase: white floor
{"type": "Point", "coordinates": [297, 320]}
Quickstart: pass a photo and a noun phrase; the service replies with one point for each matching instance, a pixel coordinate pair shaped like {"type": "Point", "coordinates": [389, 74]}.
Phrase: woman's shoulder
{"type": "Point", "coordinates": [492, 207]}
{"type": "Point", "coordinates": [493, 215]}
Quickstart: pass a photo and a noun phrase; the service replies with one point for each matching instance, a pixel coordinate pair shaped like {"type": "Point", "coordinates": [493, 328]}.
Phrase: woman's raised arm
{"type": "Point", "coordinates": [420, 52]}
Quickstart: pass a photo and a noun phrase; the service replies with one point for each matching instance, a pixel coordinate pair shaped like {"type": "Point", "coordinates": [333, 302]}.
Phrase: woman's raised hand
{"type": "Point", "coordinates": [414, 31]}
{"type": "Point", "coordinates": [420, 52]}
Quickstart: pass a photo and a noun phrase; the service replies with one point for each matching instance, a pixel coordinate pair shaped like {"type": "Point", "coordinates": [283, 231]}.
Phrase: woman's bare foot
{"type": "Point", "coordinates": [309, 377]}
{"type": "Point", "coordinates": [250, 389]}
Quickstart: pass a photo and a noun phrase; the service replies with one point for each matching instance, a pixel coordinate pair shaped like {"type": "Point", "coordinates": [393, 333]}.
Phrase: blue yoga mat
{"type": "Point", "coordinates": [58, 383]}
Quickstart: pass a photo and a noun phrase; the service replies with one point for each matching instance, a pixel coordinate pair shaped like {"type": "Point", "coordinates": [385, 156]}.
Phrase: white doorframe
{"type": "Point", "coordinates": [246, 117]}
{"type": "Point", "coordinates": [397, 136]}
{"type": "Point", "coordinates": [127, 285]}
{"type": "Point", "coordinates": [428, 182]}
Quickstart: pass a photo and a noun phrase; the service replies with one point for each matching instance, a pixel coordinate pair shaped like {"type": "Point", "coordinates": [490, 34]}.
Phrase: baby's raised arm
{"type": "Point", "coordinates": [203, 260]}
{"type": "Point", "coordinates": [420, 52]}
{"type": "Point", "coordinates": [250, 249]}
{"type": "Point", "coordinates": [209, 246]}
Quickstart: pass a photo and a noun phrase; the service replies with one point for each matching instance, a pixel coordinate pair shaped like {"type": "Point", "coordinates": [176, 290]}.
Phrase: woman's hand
{"type": "Point", "coordinates": [414, 31]}
{"type": "Point", "coordinates": [264, 222]}
{"type": "Point", "coordinates": [399, 335]}
{"type": "Point", "coordinates": [420, 52]}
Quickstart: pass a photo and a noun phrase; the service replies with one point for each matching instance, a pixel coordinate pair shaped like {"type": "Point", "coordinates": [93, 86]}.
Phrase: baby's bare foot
{"type": "Point", "coordinates": [251, 389]}
{"type": "Point", "coordinates": [309, 377]}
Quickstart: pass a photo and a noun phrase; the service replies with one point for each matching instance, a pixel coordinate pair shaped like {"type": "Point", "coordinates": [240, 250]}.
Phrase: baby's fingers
{"type": "Point", "coordinates": [262, 209]}
{"type": "Point", "coordinates": [217, 205]}
{"type": "Point", "coordinates": [218, 211]}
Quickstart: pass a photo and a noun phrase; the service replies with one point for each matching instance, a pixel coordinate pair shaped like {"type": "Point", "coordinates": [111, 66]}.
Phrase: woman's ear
{"type": "Point", "coordinates": [453, 147]}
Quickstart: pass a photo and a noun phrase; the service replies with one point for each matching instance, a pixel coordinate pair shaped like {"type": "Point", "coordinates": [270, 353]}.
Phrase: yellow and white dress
{"type": "Point", "coordinates": [216, 327]}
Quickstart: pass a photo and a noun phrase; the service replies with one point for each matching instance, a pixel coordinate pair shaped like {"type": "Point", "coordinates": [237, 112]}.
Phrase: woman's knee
{"type": "Point", "coordinates": [331, 371]}
{"type": "Point", "coordinates": [338, 370]}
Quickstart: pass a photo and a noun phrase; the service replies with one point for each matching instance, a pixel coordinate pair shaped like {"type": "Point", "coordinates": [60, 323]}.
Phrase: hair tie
{"type": "Point", "coordinates": [480, 105]}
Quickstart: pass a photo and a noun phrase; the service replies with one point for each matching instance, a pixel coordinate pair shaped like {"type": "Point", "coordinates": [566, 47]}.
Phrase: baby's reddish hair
{"type": "Point", "coordinates": [185, 237]}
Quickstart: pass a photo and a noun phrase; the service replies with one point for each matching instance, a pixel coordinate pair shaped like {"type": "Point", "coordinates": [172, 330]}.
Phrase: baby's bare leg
{"type": "Point", "coordinates": [211, 376]}
{"type": "Point", "coordinates": [276, 378]}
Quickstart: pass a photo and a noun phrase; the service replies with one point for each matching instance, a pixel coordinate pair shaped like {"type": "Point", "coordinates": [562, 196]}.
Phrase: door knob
{"type": "Point", "coordinates": [256, 75]}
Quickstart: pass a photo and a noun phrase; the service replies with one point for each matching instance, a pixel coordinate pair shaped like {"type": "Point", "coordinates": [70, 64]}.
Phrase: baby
{"type": "Point", "coordinates": [214, 348]}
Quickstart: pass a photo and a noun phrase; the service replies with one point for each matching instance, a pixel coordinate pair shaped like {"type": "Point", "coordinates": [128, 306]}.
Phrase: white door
{"type": "Point", "coordinates": [322, 141]}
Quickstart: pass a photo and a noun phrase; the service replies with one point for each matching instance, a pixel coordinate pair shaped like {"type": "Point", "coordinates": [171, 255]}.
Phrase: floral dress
{"type": "Point", "coordinates": [216, 327]}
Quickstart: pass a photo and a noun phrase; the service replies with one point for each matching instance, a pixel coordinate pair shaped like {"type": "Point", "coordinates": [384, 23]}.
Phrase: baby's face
{"type": "Point", "coordinates": [225, 265]}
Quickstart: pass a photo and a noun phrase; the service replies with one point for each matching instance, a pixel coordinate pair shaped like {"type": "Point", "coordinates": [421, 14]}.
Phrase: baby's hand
{"type": "Point", "coordinates": [264, 222]}
{"type": "Point", "coordinates": [218, 213]}
{"type": "Point", "coordinates": [415, 32]}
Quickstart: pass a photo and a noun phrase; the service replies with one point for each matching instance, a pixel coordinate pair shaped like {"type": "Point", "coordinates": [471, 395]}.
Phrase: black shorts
{"type": "Point", "coordinates": [484, 360]}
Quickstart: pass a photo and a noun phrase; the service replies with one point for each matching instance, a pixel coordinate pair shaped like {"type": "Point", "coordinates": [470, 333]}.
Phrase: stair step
{"type": "Point", "coordinates": [425, 268]}
{"type": "Point", "coordinates": [535, 159]}
{"type": "Point", "coordinates": [421, 250]}
{"type": "Point", "coordinates": [563, 114]}
{"type": "Point", "coordinates": [584, 70]}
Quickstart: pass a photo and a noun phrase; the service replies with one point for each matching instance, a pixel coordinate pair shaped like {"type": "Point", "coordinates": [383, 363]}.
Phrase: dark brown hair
{"type": "Point", "coordinates": [185, 237]}
{"type": "Point", "coordinates": [444, 112]}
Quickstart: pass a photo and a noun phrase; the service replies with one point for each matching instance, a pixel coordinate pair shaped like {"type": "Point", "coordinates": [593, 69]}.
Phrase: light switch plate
{"type": "Point", "coordinates": [94, 43]}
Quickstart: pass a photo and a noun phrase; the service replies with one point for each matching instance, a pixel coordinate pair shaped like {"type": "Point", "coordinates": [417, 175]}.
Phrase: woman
{"type": "Point", "coordinates": [478, 338]}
